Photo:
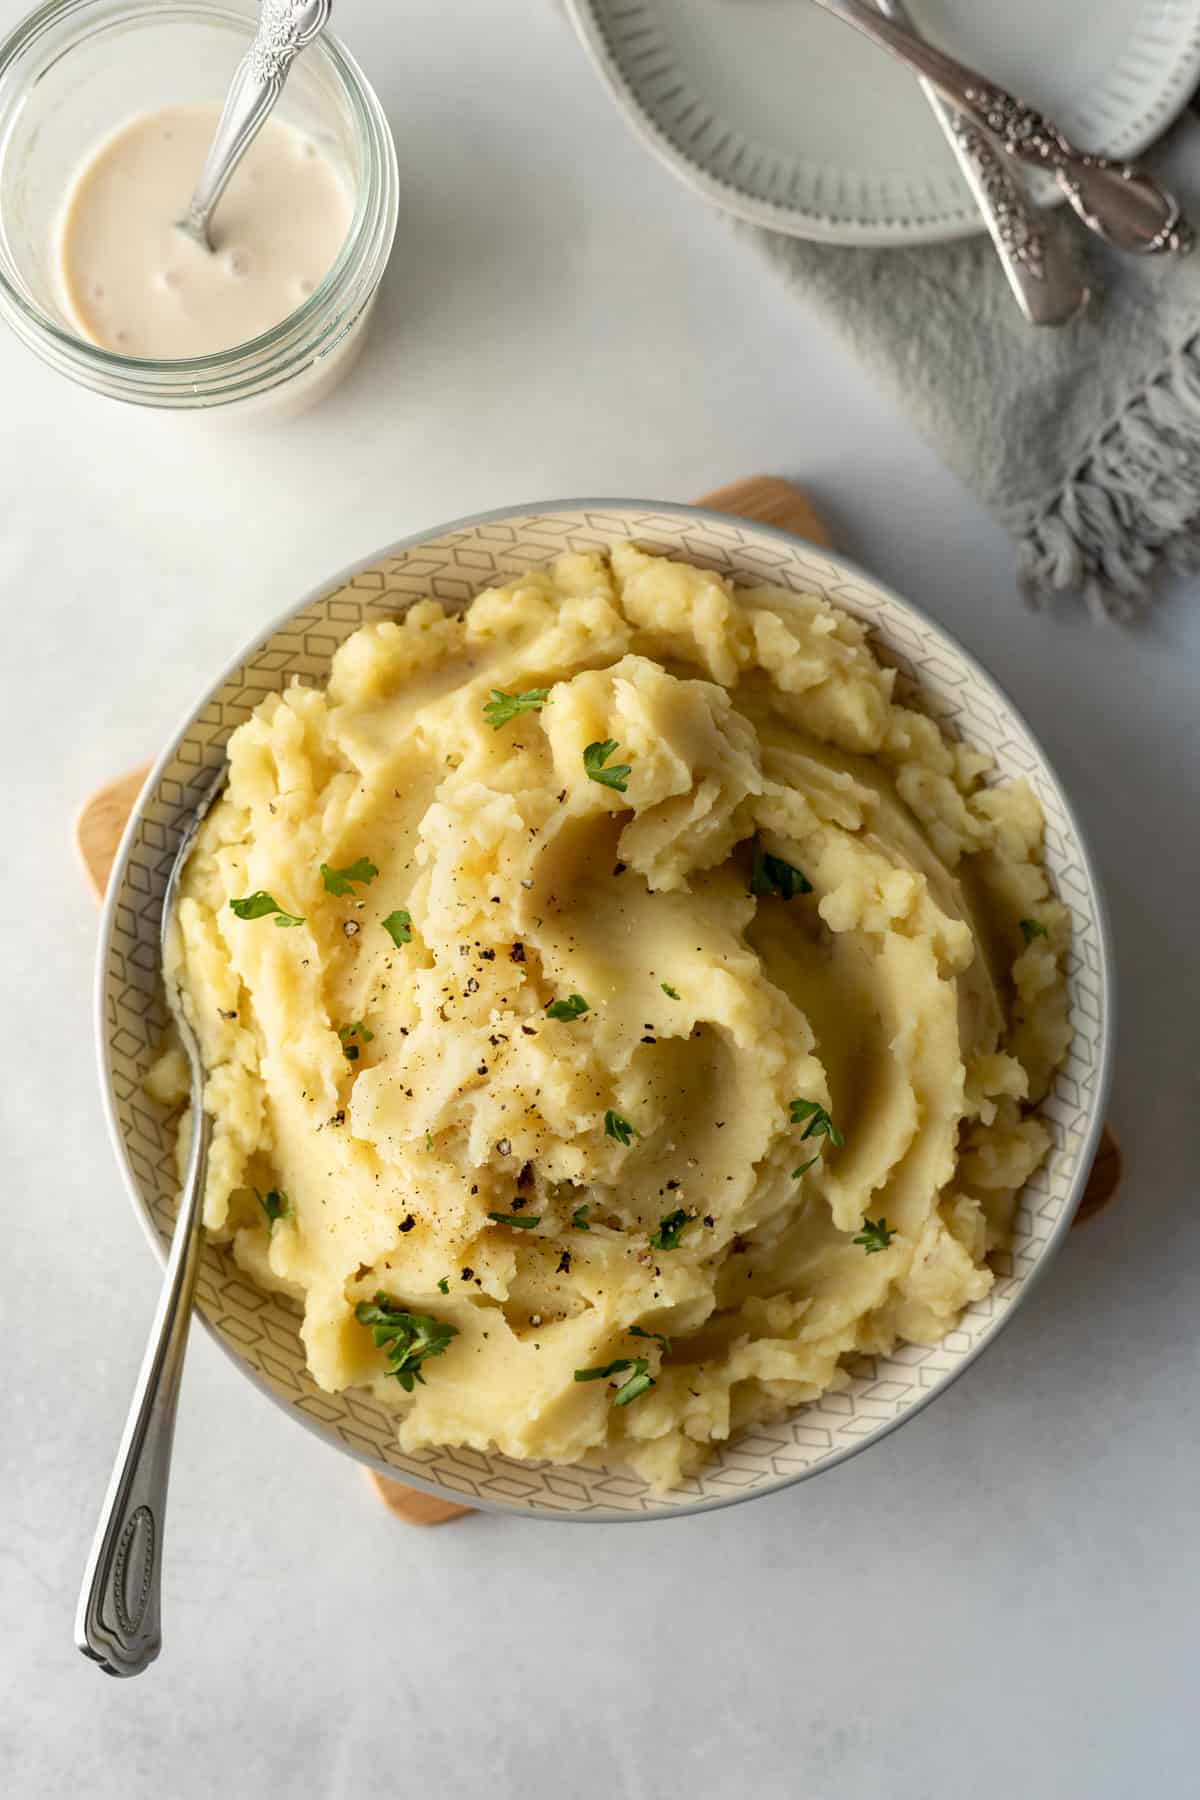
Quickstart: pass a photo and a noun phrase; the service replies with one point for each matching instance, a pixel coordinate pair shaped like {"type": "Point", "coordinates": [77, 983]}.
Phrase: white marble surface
{"type": "Point", "coordinates": [1001, 1599]}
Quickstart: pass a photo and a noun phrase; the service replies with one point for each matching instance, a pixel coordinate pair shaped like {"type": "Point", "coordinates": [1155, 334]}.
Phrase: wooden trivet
{"type": "Point", "coordinates": [102, 819]}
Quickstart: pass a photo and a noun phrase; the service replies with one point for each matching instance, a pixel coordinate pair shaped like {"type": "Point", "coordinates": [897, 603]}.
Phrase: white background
{"type": "Point", "coordinates": [999, 1600]}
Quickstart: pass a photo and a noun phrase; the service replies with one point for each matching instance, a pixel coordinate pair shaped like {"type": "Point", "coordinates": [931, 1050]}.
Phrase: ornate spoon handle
{"type": "Point", "coordinates": [284, 28]}
{"type": "Point", "coordinates": [1119, 202]}
{"type": "Point", "coordinates": [1045, 279]}
{"type": "Point", "coordinates": [119, 1619]}
{"type": "Point", "coordinates": [118, 1623]}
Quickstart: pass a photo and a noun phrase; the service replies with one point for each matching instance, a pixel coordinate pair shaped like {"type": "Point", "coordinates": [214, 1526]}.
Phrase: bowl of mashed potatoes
{"type": "Point", "coordinates": [655, 1000]}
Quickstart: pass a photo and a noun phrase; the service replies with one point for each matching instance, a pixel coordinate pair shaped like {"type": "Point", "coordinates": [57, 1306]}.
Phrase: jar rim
{"type": "Point", "coordinates": [314, 328]}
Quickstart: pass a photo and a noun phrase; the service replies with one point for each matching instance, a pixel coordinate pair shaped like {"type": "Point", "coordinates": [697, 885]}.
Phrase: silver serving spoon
{"type": "Point", "coordinates": [118, 1623]}
{"type": "Point", "coordinates": [285, 27]}
{"type": "Point", "coordinates": [1046, 280]}
{"type": "Point", "coordinates": [1120, 202]}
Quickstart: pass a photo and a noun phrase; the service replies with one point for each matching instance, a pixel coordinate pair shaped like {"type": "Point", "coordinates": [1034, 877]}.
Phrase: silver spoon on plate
{"type": "Point", "coordinates": [1118, 201]}
{"type": "Point", "coordinates": [118, 1623]}
{"type": "Point", "coordinates": [285, 27]}
{"type": "Point", "coordinates": [1047, 281]}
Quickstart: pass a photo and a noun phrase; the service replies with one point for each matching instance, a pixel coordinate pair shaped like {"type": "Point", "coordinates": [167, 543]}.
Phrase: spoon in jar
{"type": "Point", "coordinates": [118, 1623]}
{"type": "Point", "coordinates": [1119, 202]}
{"type": "Point", "coordinates": [285, 27]}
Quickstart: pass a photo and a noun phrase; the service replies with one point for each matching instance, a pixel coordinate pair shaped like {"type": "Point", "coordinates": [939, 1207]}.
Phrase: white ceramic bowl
{"type": "Point", "coordinates": [259, 1331]}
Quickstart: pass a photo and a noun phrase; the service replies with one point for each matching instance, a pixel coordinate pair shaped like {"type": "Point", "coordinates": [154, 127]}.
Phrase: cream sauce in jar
{"type": "Point", "coordinates": [135, 283]}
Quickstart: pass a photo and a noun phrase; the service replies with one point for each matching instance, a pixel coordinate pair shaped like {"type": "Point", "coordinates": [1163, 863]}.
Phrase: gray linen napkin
{"type": "Point", "coordinates": [1083, 441]}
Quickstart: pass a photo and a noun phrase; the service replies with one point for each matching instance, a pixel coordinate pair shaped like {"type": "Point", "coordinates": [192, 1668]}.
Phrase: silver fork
{"type": "Point", "coordinates": [1118, 201]}
{"type": "Point", "coordinates": [119, 1620]}
{"type": "Point", "coordinates": [1045, 278]}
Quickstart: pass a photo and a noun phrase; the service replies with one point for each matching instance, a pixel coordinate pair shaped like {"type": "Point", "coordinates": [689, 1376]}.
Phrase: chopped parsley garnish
{"type": "Point", "coordinates": [804, 1167]}
{"type": "Point", "coordinates": [274, 1203]}
{"type": "Point", "coordinates": [502, 707]}
{"type": "Point", "coordinates": [341, 881]}
{"type": "Point", "coordinates": [357, 1030]}
{"type": "Point", "coordinates": [257, 906]}
{"type": "Point", "coordinates": [408, 1338]}
{"type": "Point", "coordinates": [574, 1008]}
{"type": "Point", "coordinates": [669, 991]}
{"type": "Point", "coordinates": [398, 926]}
{"type": "Point", "coordinates": [639, 1380]}
{"type": "Point", "coordinates": [617, 1127]}
{"type": "Point", "coordinates": [670, 1230]}
{"type": "Point", "coordinates": [579, 1217]}
{"type": "Point", "coordinates": [1033, 928]}
{"type": "Point", "coordinates": [444, 1285]}
{"type": "Point", "coordinates": [771, 876]}
{"type": "Point", "coordinates": [658, 1336]}
{"type": "Point", "coordinates": [516, 1220]}
{"type": "Point", "coordinates": [594, 759]}
{"type": "Point", "coordinates": [429, 1140]}
{"type": "Point", "coordinates": [874, 1235]}
{"type": "Point", "coordinates": [819, 1122]}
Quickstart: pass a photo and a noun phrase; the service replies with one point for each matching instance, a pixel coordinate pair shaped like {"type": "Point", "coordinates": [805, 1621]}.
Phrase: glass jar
{"type": "Point", "coordinates": [76, 70]}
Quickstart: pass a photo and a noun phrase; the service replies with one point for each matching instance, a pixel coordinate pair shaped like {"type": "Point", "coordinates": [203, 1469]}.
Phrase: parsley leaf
{"type": "Point", "coordinates": [670, 1230]}
{"type": "Point", "coordinates": [639, 1383]}
{"type": "Point", "coordinates": [341, 881]}
{"type": "Point", "coordinates": [502, 707]}
{"type": "Point", "coordinates": [658, 1336]}
{"type": "Point", "coordinates": [639, 1380]}
{"type": "Point", "coordinates": [517, 1219]}
{"type": "Point", "coordinates": [408, 1338]}
{"type": "Point", "coordinates": [805, 1167]}
{"type": "Point", "coordinates": [429, 1140]}
{"type": "Point", "coordinates": [275, 1204]}
{"type": "Point", "coordinates": [770, 875]}
{"type": "Point", "coordinates": [574, 1008]}
{"type": "Point", "coordinates": [819, 1122]}
{"type": "Point", "coordinates": [357, 1030]}
{"type": "Point", "coordinates": [669, 991]}
{"type": "Point", "coordinates": [617, 1127]}
{"type": "Point", "coordinates": [603, 1373]}
{"type": "Point", "coordinates": [874, 1235]}
{"type": "Point", "coordinates": [594, 759]}
{"type": "Point", "coordinates": [257, 906]}
{"type": "Point", "coordinates": [444, 1285]}
{"type": "Point", "coordinates": [1033, 928]}
{"type": "Point", "coordinates": [398, 926]}
{"type": "Point", "coordinates": [579, 1217]}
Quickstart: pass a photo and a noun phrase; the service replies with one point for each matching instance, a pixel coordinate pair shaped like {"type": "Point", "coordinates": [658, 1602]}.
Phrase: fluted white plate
{"type": "Point", "coordinates": [787, 117]}
{"type": "Point", "coordinates": [259, 1330]}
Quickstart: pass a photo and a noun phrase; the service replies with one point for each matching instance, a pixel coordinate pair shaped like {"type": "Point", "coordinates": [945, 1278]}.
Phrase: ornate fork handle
{"type": "Point", "coordinates": [1044, 276]}
{"type": "Point", "coordinates": [1118, 201]}
{"type": "Point", "coordinates": [284, 28]}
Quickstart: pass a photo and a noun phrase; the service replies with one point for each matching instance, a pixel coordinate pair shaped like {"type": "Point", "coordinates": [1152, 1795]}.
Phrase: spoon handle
{"type": "Point", "coordinates": [284, 28]}
{"type": "Point", "coordinates": [118, 1623]}
{"type": "Point", "coordinates": [1045, 278]}
{"type": "Point", "coordinates": [1119, 202]}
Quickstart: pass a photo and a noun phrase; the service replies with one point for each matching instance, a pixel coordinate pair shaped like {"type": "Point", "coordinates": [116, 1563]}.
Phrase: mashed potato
{"type": "Point", "coordinates": [618, 1010]}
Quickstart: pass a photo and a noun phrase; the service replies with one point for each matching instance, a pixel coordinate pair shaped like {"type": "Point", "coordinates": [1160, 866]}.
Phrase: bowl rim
{"type": "Point", "coordinates": [1105, 976]}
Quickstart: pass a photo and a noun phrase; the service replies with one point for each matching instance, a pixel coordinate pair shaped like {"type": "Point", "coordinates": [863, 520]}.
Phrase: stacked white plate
{"type": "Point", "coordinates": [787, 117]}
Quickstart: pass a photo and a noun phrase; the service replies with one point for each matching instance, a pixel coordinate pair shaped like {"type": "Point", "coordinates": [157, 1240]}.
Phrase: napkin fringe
{"type": "Point", "coordinates": [1131, 504]}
